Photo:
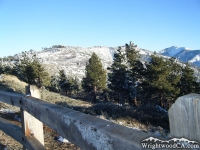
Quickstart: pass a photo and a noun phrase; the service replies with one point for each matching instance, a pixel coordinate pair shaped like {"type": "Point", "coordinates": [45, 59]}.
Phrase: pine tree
{"type": "Point", "coordinates": [125, 73]}
{"type": "Point", "coordinates": [30, 70]}
{"type": "Point", "coordinates": [63, 81]}
{"type": "Point", "coordinates": [2, 68]}
{"type": "Point", "coordinates": [54, 83]}
{"type": "Point", "coordinates": [77, 85]}
{"type": "Point", "coordinates": [40, 74]}
{"type": "Point", "coordinates": [188, 82]}
{"type": "Point", "coordinates": [68, 84]}
{"type": "Point", "coordinates": [132, 54]}
{"type": "Point", "coordinates": [161, 81]}
{"type": "Point", "coordinates": [95, 77]}
{"type": "Point", "coordinates": [62, 77]}
{"type": "Point", "coordinates": [173, 78]}
{"type": "Point", "coordinates": [118, 75]}
{"type": "Point", "coordinates": [71, 84]}
{"type": "Point", "coordinates": [136, 72]}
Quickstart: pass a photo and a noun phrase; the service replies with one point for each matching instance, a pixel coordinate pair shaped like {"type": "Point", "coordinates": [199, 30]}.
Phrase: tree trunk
{"type": "Point", "coordinates": [121, 98]}
{"type": "Point", "coordinates": [135, 102]}
{"type": "Point", "coordinates": [66, 91]}
{"type": "Point", "coordinates": [162, 102]}
{"type": "Point", "coordinates": [95, 91]}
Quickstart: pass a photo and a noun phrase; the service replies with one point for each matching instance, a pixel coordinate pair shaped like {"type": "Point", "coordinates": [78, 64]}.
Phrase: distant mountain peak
{"type": "Point", "coordinates": [172, 51]}
{"type": "Point", "coordinates": [184, 54]}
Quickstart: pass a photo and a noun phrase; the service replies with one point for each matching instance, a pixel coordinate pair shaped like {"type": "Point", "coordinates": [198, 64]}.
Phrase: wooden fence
{"type": "Point", "coordinates": [87, 132]}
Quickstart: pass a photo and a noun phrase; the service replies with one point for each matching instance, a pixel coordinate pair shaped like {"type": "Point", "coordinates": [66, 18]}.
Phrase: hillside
{"type": "Point", "coordinates": [73, 59]}
{"type": "Point", "coordinates": [12, 84]}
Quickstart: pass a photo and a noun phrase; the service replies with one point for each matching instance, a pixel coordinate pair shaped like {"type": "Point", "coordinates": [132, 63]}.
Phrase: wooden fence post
{"type": "Point", "coordinates": [31, 125]}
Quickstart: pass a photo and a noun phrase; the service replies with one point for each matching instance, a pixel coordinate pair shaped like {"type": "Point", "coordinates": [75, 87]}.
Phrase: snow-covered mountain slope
{"type": "Point", "coordinates": [183, 54]}
{"type": "Point", "coordinates": [73, 59]}
{"type": "Point", "coordinates": [191, 56]}
{"type": "Point", "coordinates": [172, 51]}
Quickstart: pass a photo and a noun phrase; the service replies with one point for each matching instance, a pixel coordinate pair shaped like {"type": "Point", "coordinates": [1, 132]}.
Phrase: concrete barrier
{"type": "Point", "coordinates": [184, 117]}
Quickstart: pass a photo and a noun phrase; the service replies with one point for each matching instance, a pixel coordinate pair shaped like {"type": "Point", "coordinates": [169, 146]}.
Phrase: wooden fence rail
{"type": "Point", "coordinates": [87, 132]}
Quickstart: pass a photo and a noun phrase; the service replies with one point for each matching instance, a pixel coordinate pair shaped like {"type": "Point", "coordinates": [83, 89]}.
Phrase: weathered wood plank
{"type": "Point", "coordinates": [30, 124]}
{"type": "Point", "coordinates": [15, 132]}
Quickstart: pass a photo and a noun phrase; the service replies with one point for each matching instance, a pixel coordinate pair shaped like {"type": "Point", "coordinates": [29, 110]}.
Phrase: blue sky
{"type": "Point", "coordinates": [151, 24]}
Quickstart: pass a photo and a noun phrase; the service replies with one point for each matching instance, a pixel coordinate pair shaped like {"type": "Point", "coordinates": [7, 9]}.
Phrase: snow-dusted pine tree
{"type": "Point", "coordinates": [125, 73]}
{"type": "Point", "coordinates": [118, 75]}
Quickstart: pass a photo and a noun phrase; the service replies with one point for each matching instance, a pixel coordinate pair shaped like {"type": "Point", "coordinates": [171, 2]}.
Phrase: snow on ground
{"type": "Point", "coordinates": [142, 52]}
{"type": "Point", "coordinates": [61, 139]}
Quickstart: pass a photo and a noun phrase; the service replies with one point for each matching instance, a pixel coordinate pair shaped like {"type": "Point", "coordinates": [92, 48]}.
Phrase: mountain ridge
{"type": "Point", "coordinates": [183, 54]}
{"type": "Point", "coordinates": [73, 59]}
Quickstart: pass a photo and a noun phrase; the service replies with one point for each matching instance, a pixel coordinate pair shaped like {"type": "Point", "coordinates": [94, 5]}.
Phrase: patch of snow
{"type": "Point", "coordinates": [121, 123]}
{"type": "Point", "coordinates": [195, 59]}
{"type": "Point", "coordinates": [61, 139]}
{"type": "Point", "coordinates": [135, 128]}
{"type": "Point", "coordinates": [142, 52]}
{"type": "Point", "coordinates": [7, 111]}
{"type": "Point", "coordinates": [161, 109]}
